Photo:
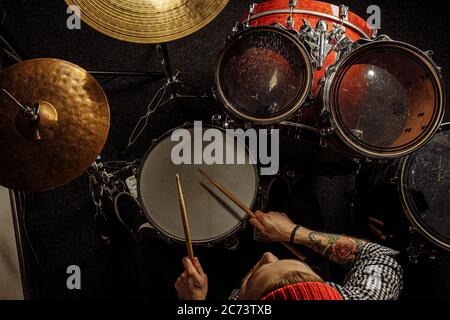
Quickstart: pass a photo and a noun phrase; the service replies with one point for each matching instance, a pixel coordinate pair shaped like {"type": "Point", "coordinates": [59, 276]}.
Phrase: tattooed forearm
{"type": "Point", "coordinates": [339, 248]}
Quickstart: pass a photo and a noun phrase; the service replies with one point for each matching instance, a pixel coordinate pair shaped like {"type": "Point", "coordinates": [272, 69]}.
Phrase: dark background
{"type": "Point", "coordinates": [60, 222]}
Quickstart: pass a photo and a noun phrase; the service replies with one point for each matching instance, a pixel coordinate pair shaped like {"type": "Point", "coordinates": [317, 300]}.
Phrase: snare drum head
{"type": "Point", "coordinates": [211, 215]}
{"type": "Point", "coordinates": [426, 188]}
{"type": "Point", "coordinates": [386, 98]}
{"type": "Point", "coordinates": [263, 75]}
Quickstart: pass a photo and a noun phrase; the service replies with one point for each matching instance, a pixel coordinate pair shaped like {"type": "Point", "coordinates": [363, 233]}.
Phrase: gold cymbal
{"type": "Point", "coordinates": [148, 21]}
{"type": "Point", "coordinates": [68, 134]}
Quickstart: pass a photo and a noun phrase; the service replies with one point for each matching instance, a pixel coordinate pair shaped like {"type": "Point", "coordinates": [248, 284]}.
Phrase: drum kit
{"type": "Point", "coordinates": [308, 65]}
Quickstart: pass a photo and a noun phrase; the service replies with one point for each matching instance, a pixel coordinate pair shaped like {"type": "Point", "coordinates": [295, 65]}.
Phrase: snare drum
{"type": "Point", "coordinates": [383, 99]}
{"type": "Point", "coordinates": [212, 217]}
{"type": "Point", "coordinates": [424, 187]}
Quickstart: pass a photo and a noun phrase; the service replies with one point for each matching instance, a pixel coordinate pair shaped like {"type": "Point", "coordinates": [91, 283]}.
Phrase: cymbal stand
{"type": "Point", "coordinates": [9, 48]}
{"type": "Point", "coordinates": [151, 75]}
{"type": "Point", "coordinates": [165, 94]}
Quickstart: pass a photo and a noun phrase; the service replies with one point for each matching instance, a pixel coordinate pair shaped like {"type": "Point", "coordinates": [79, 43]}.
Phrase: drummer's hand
{"type": "Point", "coordinates": [192, 284]}
{"type": "Point", "coordinates": [274, 226]}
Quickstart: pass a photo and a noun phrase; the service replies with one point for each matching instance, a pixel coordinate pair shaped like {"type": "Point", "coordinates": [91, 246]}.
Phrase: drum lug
{"type": "Point", "coordinates": [214, 92]}
{"type": "Point", "coordinates": [290, 23]}
{"type": "Point", "coordinates": [251, 11]}
{"type": "Point", "coordinates": [327, 131]}
{"type": "Point", "coordinates": [429, 53]}
{"type": "Point", "coordinates": [321, 82]}
{"type": "Point", "coordinates": [231, 244]}
{"type": "Point", "coordinates": [373, 33]}
{"type": "Point", "coordinates": [412, 230]}
{"type": "Point", "coordinates": [383, 161]}
{"type": "Point", "coordinates": [323, 142]}
{"type": "Point", "coordinates": [358, 166]}
{"type": "Point", "coordinates": [394, 180]}
{"type": "Point", "coordinates": [217, 120]}
{"type": "Point", "coordinates": [166, 239]}
{"type": "Point", "coordinates": [247, 125]}
{"type": "Point", "coordinates": [417, 250]}
{"type": "Point", "coordinates": [309, 101]}
{"type": "Point", "coordinates": [236, 28]}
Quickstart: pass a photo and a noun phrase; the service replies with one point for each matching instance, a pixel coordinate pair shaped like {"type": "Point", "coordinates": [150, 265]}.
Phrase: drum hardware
{"type": "Point", "coordinates": [224, 121]}
{"type": "Point", "coordinates": [159, 100]}
{"type": "Point", "coordinates": [105, 182]}
{"type": "Point", "coordinates": [358, 133]}
{"type": "Point", "coordinates": [300, 126]}
{"type": "Point", "coordinates": [251, 11]}
{"type": "Point", "coordinates": [10, 47]}
{"type": "Point", "coordinates": [333, 18]}
{"type": "Point", "coordinates": [147, 23]}
{"type": "Point", "coordinates": [343, 13]}
{"type": "Point", "coordinates": [321, 42]}
{"type": "Point", "coordinates": [30, 113]}
{"type": "Point", "coordinates": [231, 244]}
{"type": "Point", "coordinates": [290, 24]}
{"type": "Point", "coordinates": [418, 249]}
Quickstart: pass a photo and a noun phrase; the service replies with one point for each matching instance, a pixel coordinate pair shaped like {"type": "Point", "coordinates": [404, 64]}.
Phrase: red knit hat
{"type": "Point", "coordinates": [304, 291]}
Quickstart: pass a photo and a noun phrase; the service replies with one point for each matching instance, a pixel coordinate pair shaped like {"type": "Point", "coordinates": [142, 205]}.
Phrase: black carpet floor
{"type": "Point", "coordinates": [61, 223]}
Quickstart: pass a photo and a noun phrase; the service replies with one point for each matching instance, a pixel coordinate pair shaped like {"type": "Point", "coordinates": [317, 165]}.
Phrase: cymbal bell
{"type": "Point", "coordinates": [66, 132]}
{"type": "Point", "coordinates": [148, 21]}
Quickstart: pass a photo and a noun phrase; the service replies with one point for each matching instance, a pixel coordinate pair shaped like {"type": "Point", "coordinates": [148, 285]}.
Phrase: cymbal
{"type": "Point", "coordinates": [148, 21]}
{"type": "Point", "coordinates": [68, 134]}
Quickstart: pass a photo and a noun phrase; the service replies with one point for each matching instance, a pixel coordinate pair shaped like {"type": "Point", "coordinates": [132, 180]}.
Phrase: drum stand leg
{"type": "Point", "coordinates": [9, 47]}
{"type": "Point", "coordinates": [150, 75]}
{"type": "Point", "coordinates": [160, 98]}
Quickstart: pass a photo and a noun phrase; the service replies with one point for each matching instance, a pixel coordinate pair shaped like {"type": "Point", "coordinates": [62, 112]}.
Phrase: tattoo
{"type": "Point", "coordinates": [341, 249]}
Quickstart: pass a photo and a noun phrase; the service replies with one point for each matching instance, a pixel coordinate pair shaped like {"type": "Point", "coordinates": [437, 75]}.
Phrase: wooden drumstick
{"type": "Point", "coordinates": [376, 221]}
{"type": "Point", "coordinates": [377, 232]}
{"type": "Point", "coordinates": [246, 209]}
{"type": "Point", "coordinates": [184, 218]}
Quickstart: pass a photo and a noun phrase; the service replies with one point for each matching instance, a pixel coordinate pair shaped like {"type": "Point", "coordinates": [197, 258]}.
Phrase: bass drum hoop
{"type": "Point", "coordinates": [169, 238]}
{"type": "Point", "coordinates": [408, 207]}
{"type": "Point", "coordinates": [294, 106]}
{"type": "Point", "coordinates": [359, 146]}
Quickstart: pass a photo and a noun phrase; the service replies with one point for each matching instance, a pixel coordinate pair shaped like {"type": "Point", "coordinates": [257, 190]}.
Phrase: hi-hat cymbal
{"type": "Point", "coordinates": [69, 133]}
{"type": "Point", "coordinates": [148, 21]}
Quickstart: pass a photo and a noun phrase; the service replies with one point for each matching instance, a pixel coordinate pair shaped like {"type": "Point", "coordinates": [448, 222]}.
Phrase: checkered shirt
{"type": "Point", "coordinates": [375, 275]}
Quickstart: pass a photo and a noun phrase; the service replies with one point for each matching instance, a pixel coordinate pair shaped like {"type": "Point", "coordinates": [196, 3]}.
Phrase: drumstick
{"type": "Point", "coordinates": [376, 221]}
{"type": "Point", "coordinates": [184, 218]}
{"type": "Point", "coordinates": [247, 210]}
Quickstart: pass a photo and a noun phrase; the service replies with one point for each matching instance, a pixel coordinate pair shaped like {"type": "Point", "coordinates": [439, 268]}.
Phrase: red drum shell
{"type": "Point", "coordinates": [313, 11]}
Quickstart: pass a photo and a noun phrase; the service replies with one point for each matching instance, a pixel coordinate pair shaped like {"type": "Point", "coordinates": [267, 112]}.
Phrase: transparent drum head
{"type": "Point", "coordinates": [263, 75]}
{"type": "Point", "coordinates": [386, 99]}
{"type": "Point", "coordinates": [426, 188]}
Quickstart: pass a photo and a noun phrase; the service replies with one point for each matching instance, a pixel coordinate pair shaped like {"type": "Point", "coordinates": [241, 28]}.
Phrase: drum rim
{"type": "Point", "coordinates": [293, 107]}
{"type": "Point", "coordinates": [361, 147]}
{"type": "Point", "coordinates": [171, 238]}
{"type": "Point", "coordinates": [408, 208]}
{"type": "Point", "coordinates": [301, 10]}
